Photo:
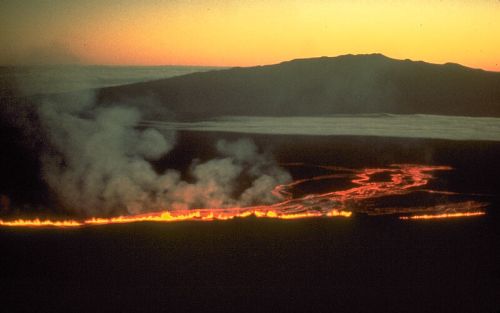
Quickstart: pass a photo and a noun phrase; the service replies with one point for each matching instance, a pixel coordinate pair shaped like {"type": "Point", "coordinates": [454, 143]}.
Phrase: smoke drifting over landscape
{"type": "Point", "coordinates": [98, 163]}
{"type": "Point", "coordinates": [99, 151]}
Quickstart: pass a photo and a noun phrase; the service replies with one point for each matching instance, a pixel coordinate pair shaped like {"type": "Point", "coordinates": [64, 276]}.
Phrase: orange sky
{"type": "Point", "coordinates": [245, 33]}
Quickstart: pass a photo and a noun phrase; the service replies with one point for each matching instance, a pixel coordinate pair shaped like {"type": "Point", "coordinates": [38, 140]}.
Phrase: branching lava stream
{"type": "Point", "coordinates": [404, 179]}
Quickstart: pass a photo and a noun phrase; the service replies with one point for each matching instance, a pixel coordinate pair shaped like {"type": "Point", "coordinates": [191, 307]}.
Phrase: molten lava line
{"type": "Point", "coordinates": [440, 216]}
{"type": "Point", "coordinates": [38, 223]}
{"type": "Point", "coordinates": [176, 216]}
{"type": "Point", "coordinates": [404, 179]}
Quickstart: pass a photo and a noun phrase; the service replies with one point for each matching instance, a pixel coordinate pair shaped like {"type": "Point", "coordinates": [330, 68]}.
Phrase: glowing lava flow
{"type": "Point", "coordinates": [443, 215]}
{"type": "Point", "coordinates": [177, 216]}
{"type": "Point", "coordinates": [38, 223]}
{"type": "Point", "coordinates": [402, 179]}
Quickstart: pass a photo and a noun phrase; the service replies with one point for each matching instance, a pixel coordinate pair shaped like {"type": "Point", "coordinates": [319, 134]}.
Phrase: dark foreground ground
{"type": "Point", "coordinates": [332, 265]}
{"type": "Point", "coordinates": [361, 264]}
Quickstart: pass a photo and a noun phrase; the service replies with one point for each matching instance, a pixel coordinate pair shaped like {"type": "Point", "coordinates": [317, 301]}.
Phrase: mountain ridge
{"type": "Point", "coordinates": [349, 84]}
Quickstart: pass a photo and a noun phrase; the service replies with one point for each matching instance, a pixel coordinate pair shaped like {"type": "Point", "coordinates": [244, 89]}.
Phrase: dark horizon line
{"type": "Point", "coordinates": [374, 54]}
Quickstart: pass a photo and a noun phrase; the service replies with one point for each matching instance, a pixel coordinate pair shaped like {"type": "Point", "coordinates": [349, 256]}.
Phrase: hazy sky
{"type": "Point", "coordinates": [247, 32]}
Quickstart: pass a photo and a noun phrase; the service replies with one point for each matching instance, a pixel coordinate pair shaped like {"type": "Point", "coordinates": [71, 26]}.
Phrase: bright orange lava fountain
{"type": "Point", "coordinates": [404, 179]}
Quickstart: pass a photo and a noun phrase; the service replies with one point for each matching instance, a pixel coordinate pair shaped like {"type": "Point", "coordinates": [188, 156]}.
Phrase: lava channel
{"type": "Point", "coordinates": [403, 179]}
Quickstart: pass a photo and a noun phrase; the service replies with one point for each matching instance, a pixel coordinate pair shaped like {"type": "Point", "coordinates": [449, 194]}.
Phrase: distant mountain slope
{"type": "Point", "coordinates": [327, 85]}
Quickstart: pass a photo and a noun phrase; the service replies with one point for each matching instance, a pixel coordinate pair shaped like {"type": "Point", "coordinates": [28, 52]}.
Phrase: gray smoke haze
{"type": "Point", "coordinates": [99, 163]}
{"type": "Point", "coordinates": [217, 180]}
{"type": "Point", "coordinates": [96, 159]}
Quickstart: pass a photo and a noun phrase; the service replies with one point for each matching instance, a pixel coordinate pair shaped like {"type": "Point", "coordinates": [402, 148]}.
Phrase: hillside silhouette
{"type": "Point", "coordinates": [347, 84]}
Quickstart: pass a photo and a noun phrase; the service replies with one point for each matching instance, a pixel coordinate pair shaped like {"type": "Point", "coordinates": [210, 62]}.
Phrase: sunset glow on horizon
{"type": "Point", "coordinates": [246, 33]}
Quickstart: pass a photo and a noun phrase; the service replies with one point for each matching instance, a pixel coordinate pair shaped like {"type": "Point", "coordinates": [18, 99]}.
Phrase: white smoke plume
{"type": "Point", "coordinates": [99, 164]}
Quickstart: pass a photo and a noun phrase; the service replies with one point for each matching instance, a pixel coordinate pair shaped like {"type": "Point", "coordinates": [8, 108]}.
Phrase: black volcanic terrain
{"type": "Point", "coordinates": [346, 84]}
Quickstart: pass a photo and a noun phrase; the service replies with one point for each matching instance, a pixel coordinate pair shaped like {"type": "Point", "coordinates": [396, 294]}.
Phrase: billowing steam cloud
{"type": "Point", "coordinates": [99, 163]}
